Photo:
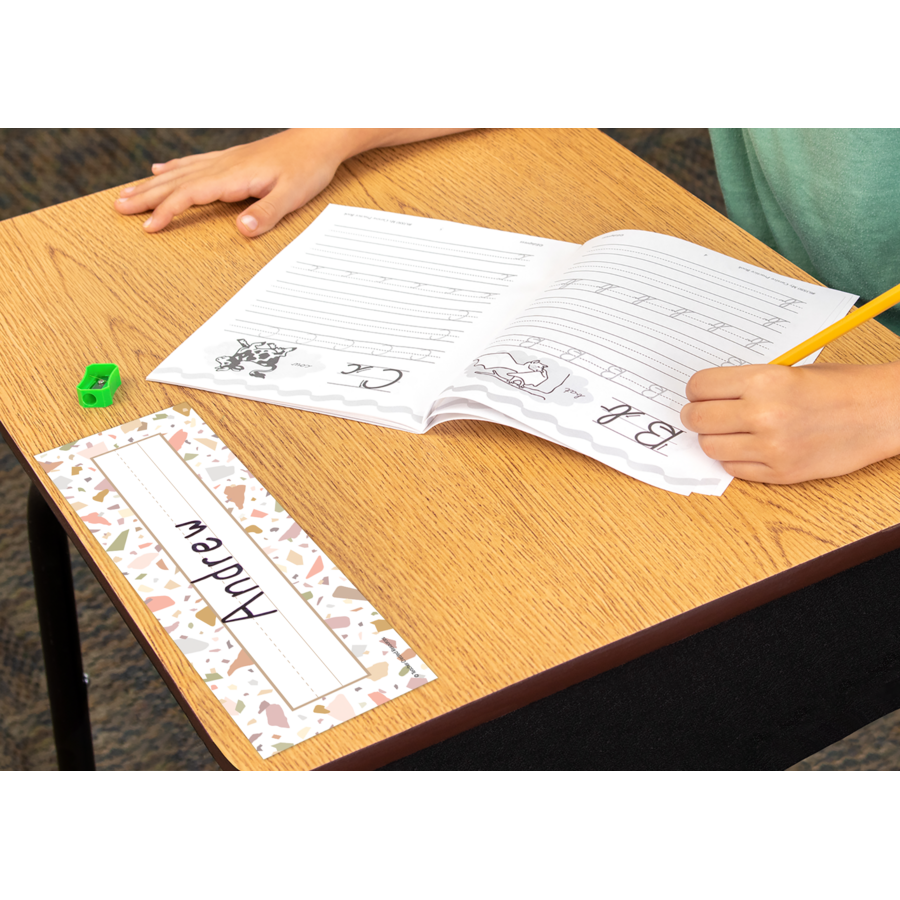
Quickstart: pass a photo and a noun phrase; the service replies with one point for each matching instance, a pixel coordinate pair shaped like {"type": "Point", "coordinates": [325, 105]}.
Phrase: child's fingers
{"type": "Point", "coordinates": [147, 195]}
{"type": "Point", "coordinates": [727, 382]}
{"type": "Point", "coordinates": [182, 161]}
{"type": "Point", "coordinates": [183, 197]}
{"type": "Point", "coordinates": [150, 193]}
{"type": "Point", "coordinates": [166, 175]}
{"type": "Point", "coordinates": [741, 455]}
{"type": "Point", "coordinates": [731, 447]}
{"type": "Point", "coordinates": [754, 471]}
{"type": "Point", "coordinates": [268, 211]}
{"type": "Point", "coordinates": [715, 417]}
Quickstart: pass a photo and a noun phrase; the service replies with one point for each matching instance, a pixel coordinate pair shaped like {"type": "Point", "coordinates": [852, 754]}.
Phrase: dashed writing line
{"type": "Point", "coordinates": [332, 322]}
{"type": "Point", "coordinates": [333, 297]}
{"type": "Point", "coordinates": [312, 690]}
{"type": "Point", "coordinates": [283, 333]}
{"type": "Point", "coordinates": [667, 337]}
{"type": "Point", "coordinates": [640, 276]}
{"type": "Point", "coordinates": [410, 269]}
{"type": "Point", "coordinates": [604, 339]}
{"type": "Point", "coordinates": [368, 254]}
{"type": "Point", "coordinates": [427, 288]}
{"type": "Point", "coordinates": [648, 301]}
{"type": "Point", "coordinates": [762, 291]}
{"type": "Point", "coordinates": [429, 240]}
{"type": "Point", "coordinates": [168, 515]}
{"type": "Point", "coordinates": [432, 252]}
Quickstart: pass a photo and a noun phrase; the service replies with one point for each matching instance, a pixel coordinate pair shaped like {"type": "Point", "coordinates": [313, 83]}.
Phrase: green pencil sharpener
{"type": "Point", "coordinates": [100, 382]}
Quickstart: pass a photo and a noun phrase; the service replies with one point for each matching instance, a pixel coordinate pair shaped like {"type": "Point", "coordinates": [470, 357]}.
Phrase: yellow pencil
{"type": "Point", "coordinates": [855, 317]}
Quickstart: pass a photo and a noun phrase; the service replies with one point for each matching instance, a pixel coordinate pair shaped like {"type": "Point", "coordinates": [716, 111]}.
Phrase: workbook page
{"type": "Point", "coordinates": [367, 315]}
{"type": "Point", "coordinates": [600, 360]}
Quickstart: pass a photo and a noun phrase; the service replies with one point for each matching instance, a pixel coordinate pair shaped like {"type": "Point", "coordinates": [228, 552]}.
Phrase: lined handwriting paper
{"type": "Point", "coordinates": [367, 315]}
{"type": "Point", "coordinates": [407, 322]}
{"type": "Point", "coordinates": [600, 360]}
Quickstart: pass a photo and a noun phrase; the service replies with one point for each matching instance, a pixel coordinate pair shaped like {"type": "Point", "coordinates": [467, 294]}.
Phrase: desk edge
{"type": "Point", "coordinates": [618, 653]}
{"type": "Point", "coordinates": [545, 683]}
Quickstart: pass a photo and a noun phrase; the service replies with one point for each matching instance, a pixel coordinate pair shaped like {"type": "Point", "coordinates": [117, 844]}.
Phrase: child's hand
{"type": "Point", "coordinates": [783, 425]}
{"type": "Point", "coordinates": [285, 170]}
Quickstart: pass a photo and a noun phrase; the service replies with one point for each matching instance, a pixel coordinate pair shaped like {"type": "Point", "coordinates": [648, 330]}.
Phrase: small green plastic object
{"type": "Point", "coordinates": [100, 382]}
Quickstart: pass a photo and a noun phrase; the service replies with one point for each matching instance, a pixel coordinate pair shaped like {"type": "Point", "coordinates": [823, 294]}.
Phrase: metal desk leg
{"type": "Point", "coordinates": [58, 619]}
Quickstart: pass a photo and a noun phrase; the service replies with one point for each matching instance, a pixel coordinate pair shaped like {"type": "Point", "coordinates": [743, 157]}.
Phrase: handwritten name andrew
{"type": "Point", "coordinates": [226, 584]}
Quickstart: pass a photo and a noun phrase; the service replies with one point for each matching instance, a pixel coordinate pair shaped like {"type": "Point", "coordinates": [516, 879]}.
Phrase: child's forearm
{"type": "Point", "coordinates": [353, 141]}
{"type": "Point", "coordinates": [283, 171]}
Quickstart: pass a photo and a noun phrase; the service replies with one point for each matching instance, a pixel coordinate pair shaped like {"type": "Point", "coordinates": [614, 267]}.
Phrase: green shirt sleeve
{"type": "Point", "coordinates": [828, 199]}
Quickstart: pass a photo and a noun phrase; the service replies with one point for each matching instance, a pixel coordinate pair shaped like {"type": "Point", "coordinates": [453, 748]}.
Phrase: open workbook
{"type": "Point", "coordinates": [407, 322]}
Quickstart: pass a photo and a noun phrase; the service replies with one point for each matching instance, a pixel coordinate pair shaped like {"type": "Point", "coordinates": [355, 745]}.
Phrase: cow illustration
{"type": "Point", "coordinates": [263, 354]}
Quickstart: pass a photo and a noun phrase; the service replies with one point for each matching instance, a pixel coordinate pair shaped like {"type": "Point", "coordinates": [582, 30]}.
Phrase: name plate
{"type": "Point", "coordinates": [287, 644]}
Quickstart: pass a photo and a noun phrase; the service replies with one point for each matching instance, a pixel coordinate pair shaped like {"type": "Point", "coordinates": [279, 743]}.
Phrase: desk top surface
{"type": "Point", "coordinates": [498, 556]}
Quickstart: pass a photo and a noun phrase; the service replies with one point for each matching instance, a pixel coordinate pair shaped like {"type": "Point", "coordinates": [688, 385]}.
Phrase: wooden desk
{"type": "Point", "coordinates": [513, 567]}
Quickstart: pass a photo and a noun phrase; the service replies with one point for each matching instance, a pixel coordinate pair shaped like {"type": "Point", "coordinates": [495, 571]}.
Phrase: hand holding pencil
{"type": "Point", "coordinates": [781, 425]}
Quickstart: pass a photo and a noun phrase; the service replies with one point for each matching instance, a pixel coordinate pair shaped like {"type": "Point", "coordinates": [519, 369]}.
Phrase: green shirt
{"type": "Point", "coordinates": [826, 198]}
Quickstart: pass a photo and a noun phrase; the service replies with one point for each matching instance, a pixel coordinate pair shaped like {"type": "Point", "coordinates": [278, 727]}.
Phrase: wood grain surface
{"type": "Point", "coordinates": [502, 559]}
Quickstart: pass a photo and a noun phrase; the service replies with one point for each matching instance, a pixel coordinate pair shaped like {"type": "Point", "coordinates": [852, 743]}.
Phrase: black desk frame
{"type": "Point", "coordinates": [58, 617]}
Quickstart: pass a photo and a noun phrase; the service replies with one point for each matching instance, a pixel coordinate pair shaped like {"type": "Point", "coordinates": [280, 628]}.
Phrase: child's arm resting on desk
{"type": "Point", "coordinates": [783, 425]}
{"type": "Point", "coordinates": [285, 171]}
